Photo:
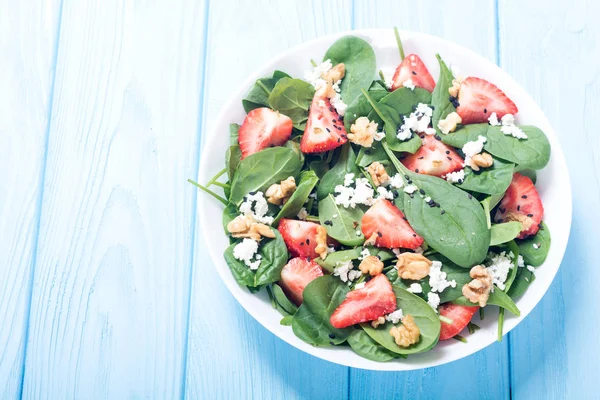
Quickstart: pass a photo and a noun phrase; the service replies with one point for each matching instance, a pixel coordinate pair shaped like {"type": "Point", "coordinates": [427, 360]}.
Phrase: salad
{"type": "Point", "coordinates": [382, 210]}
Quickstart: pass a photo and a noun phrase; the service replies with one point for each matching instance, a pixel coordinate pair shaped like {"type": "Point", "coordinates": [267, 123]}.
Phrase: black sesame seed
{"type": "Point", "coordinates": [470, 196]}
{"type": "Point", "coordinates": [344, 136]}
{"type": "Point", "coordinates": [339, 140]}
{"type": "Point", "coordinates": [412, 195]}
{"type": "Point", "coordinates": [331, 109]}
{"type": "Point", "coordinates": [443, 212]}
{"type": "Point", "coordinates": [334, 121]}
{"type": "Point", "coordinates": [328, 223]}
{"type": "Point", "coordinates": [437, 205]}
{"type": "Point", "coordinates": [414, 235]}
{"type": "Point", "coordinates": [499, 220]}
{"type": "Point", "coordinates": [502, 210]}
{"type": "Point", "coordinates": [409, 181]}
{"type": "Point", "coordinates": [438, 137]}
{"type": "Point", "coordinates": [245, 198]}
{"type": "Point", "coordinates": [379, 234]}
{"type": "Point", "coordinates": [530, 215]}
{"type": "Point", "coordinates": [421, 191]}
{"type": "Point", "coordinates": [307, 241]}
{"type": "Point", "coordinates": [422, 136]}
{"type": "Point", "coordinates": [540, 226]}
{"type": "Point", "coordinates": [518, 208]}
{"type": "Point", "coordinates": [332, 336]}
{"type": "Point", "coordinates": [417, 170]}
{"type": "Point", "coordinates": [251, 193]}
{"type": "Point", "coordinates": [406, 177]}
{"type": "Point", "coordinates": [454, 101]}
{"type": "Point", "coordinates": [485, 110]}
{"type": "Point", "coordinates": [461, 181]}
{"type": "Point", "coordinates": [449, 158]}
{"type": "Point", "coordinates": [327, 129]}
{"type": "Point", "coordinates": [339, 128]}
{"type": "Point", "coordinates": [404, 218]}
{"type": "Point", "coordinates": [301, 243]}
{"type": "Point", "coordinates": [414, 72]}
{"type": "Point", "coordinates": [447, 151]}
{"type": "Point", "coordinates": [331, 343]}
{"type": "Point", "coordinates": [420, 158]}
{"type": "Point", "coordinates": [524, 196]}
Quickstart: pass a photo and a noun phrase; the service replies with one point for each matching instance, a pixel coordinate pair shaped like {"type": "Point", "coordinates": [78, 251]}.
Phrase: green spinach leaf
{"type": "Point", "coordinates": [282, 301]}
{"type": "Point", "coordinates": [492, 180]}
{"type": "Point", "coordinates": [292, 97]}
{"type": "Point", "coordinates": [522, 281]}
{"type": "Point", "coordinates": [536, 255]}
{"type": "Point", "coordinates": [497, 298]}
{"type": "Point", "coordinates": [338, 257]}
{"type": "Point", "coordinates": [440, 98]}
{"type": "Point", "coordinates": [229, 214]}
{"type": "Point", "coordinates": [453, 272]}
{"type": "Point", "coordinates": [308, 180]}
{"type": "Point", "coordinates": [505, 232]}
{"type": "Point", "coordinates": [346, 227]}
{"type": "Point", "coordinates": [233, 134]}
{"type": "Point", "coordinates": [361, 107]}
{"type": "Point", "coordinates": [259, 94]}
{"type": "Point", "coordinates": [233, 156]}
{"type": "Point", "coordinates": [346, 164]}
{"type": "Point", "coordinates": [367, 156]}
{"type": "Point", "coordinates": [366, 347]}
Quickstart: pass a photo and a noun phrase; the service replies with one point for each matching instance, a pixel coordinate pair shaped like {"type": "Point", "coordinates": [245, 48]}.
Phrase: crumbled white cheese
{"type": "Point", "coordinates": [396, 251]}
{"type": "Point", "coordinates": [348, 179]}
{"type": "Point", "coordinates": [433, 300]}
{"type": "Point", "coordinates": [456, 176]}
{"type": "Point", "coordinates": [378, 136]}
{"type": "Point", "coordinates": [312, 196]}
{"type": "Point", "coordinates": [354, 274]}
{"type": "Point", "coordinates": [314, 76]}
{"type": "Point", "coordinates": [493, 119]}
{"type": "Point", "coordinates": [536, 246]}
{"type": "Point", "coordinates": [396, 181]}
{"type": "Point", "coordinates": [430, 131]}
{"type": "Point", "coordinates": [410, 189]}
{"type": "Point", "coordinates": [395, 317]}
{"type": "Point", "coordinates": [330, 249]}
{"type": "Point", "coordinates": [364, 253]}
{"type": "Point", "coordinates": [409, 84]}
{"type": "Point", "coordinates": [520, 261]}
{"type": "Point", "coordinates": [342, 269]}
{"type": "Point", "coordinates": [245, 251]}
{"type": "Point", "coordinates": [472, 148]}
{"type": "Point", "coordinates": [498, 266]}
{"type": "Point", "coordinates": [358, 233]}
{"type": "Point", "coordinates": [388, 77]}
{"type": "Point", "coordinates": [415, 288]}
{"type": "Point", "coordinates": [348, 196]}
{"type": "Point", "coordinates": [383, 193]}
{"type": "Point", "coordinates": [530, 268]}
{"type": "Point", "coordinates": [418, 121]}
{"type": "Point", "coordinates": [510, 129]}
{"type": "Point", "coordinates": [359, 285]}
{"type": "Point", "coordinates": [339, 105]}
{"type": "Point", "coordinates": [256, 206]}
{"type": "Point", "coordinates": [302, 214]}
{"type": "Point", "coordinates": [437, 278]}
{"type": "Point", "coordinates": [427, 199]}
{"type": "Point", "coordinates": [334, 216]}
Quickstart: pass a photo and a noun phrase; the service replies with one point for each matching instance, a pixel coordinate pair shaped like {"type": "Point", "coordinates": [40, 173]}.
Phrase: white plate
{"type": "Point", "coordinates": [552, 184]}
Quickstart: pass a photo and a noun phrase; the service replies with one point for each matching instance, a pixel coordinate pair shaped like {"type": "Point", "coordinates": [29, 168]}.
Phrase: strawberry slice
{"type": "Point", "coordinates": [413, 68]}
{"type": "Point", "coordinates": [300, 237]}
{"type": "Point", "coordinates": [522, 203]}
{"type": "Point", "coordinates": [296, 274]}
{"type": "Point", "coordinates": [433, 158]}
{"type": "Point", "coordinates": [389, 225]}
{"type": "Point", "coordinates": [374, 300]}
{"type": "Point", "coordinates": [460, 316]}
{"type": "Point", "coordinates": [262, 128]}
{"type": "Point", "coordinates": [324, 129]}
{"type": "Point", "coordinates": [478, 99]}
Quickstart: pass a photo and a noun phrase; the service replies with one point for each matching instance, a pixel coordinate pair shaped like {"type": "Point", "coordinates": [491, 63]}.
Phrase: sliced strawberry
{"type": "Point", "coordinates": [296, 274]}
{"type": "Point", "coordinates": [460, 316]}
{"type": "Point", "coordinates": [413, 68]}
{"type": "Point", "coordinates": [478, 99]}
{"type": "Point", "coordinates": [300, 237]}
{"type": "Point", "coordinates": [522, 203]}
{"type": "Point", "coordinates": [262, 128]}
{"type": "Point", "coordinates": [433, 158]}
{"type": "Point", "coordinates": [324, 129]}
{"type": "Point", "coordinates": [389, 225]}
{"type": "Point", "coordinates": [374, 300]}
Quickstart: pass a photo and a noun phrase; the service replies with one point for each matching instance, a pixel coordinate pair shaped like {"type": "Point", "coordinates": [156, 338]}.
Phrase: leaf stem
{"type": "Point", "coordinates": [481, 313]}
{"type": "Point", "coordinates": [500, 323]}
{"type": "Point", "coordinates": [312, 219]}
{"type": "Point", "coordinates": [372, 103]}
{"type": "Point", "coordinates": [208, 191]}
{"type": "Point", "coordinates": [217, 176]}
{"type": "Point", "coordinates": [397, 164]}
{"type": "Point", "coordinates": [263, 87]}
{"type": "Point", "coordinates": [399, 42]}
{"type": "Point", "coordinates": [460, 338]}
{"type": "Point", "coordinates": [220, 184]}
{"type": "Point", "coordinates": [381, 76]}
{"type": "Point", "coordinates": [446, 320]}
{"type": "Point", "coordinates": [314, 64]}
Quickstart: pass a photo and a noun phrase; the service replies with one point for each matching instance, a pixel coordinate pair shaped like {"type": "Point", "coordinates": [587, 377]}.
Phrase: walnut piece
{"type": "Point", "coordinates": [482, 160]}
{"type": "Point", "coordinates": [244, 226]}
{"type": "Point", "coordinates": [455, 88]}
{"type": "Point", "coordinates": [363, 132]}
{"type": "Point", "coordinates": [413, 266]}
{"type": "Point", "coordinates": [478, 290]}
{"type": "Point", "coordinates": [335, 74]}
{"type": "Point", "coordinates": [377, 322]}
{"type": "Point", "coordinates": [279, 193]}
{"type": "Point", "coordinates": [449, 123]}
{"type": "Point", "coordinates": [371, 265]}
{"type": "Point", "coordinates": [321, 248]}
{"type": "Point", "coordinates": [406, 334]}
{"type": "Point", "coordinates": [523, 219]}
{"type": "Point", "coordinates": [379, 175]}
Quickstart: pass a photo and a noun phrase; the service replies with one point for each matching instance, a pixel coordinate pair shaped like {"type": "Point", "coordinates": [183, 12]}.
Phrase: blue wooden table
{"type": "Point", "coordinates": [106, 289]}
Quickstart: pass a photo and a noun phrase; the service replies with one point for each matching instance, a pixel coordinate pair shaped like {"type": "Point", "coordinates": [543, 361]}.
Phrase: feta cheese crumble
{"type": "Point", "coordinates": [530, 268]}
{"type": "Point", "coordinates": [314, 76]}
{"type": "Point", "coordinates": [302, 214]}
{"type": "Point", "coordinates": [396, 181]}
{"type": "Point", "coordinates": [493, 119]}
{"type": "Point", "coordinates": [415, 288]}
{"type": "Point", "coordinates": [348, 179]}
{"type": "Point", "coordinates": [359, 285]}
{"type": "Point", "coordinates": [383, 193]}
{"type": "Point", "coordinates": [245, 251]}
{"type": "Point", "coordinates": [472, 148]}
{"type": "Point", "coordinates": [255, 205]}
{"type": "Point", "coordinates": [536, 246]}
{"type": "Point", "coordinates": [418, 121]}
{"type": "Point", "coordinates": [343, 269]}
{"type": "Point", "coordinates": [520, 261]}
{"type": "Point", "coordinates": [409, 84]}
{"type": "Point", "coordinates": [437, 278]}
{"type": "Point", "coordinates": [433, 299]}
{"type": "Point", "coordinates": [510, 129]}
{"type": "Point", "coordinates": [378, 136]}
{"type": "Point", "coordinates": [395, 317]}
{"type": "Point", "coordinates": [364, 253]}
{"type": "Point", "coordinates": [348, 196]}
{"type": "Point", "coordinates": [498, 267]}
{"type": "Point", "coordinates": [410, 189]}
{"type": "Point", "coordinates": [456, 176]}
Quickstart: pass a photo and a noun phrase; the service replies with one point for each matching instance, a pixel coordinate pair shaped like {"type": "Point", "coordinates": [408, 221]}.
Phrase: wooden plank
{"type": "Point", "coordinates": [110, 301]}
{"type": "Point", "coordinates": [230, 354]}
{"type": "Point", "coordinates": [554, 351]}
{"type": "Point", "coordinates": [28, 33]}
{"type": "Point", "coordinates": [485, 374]}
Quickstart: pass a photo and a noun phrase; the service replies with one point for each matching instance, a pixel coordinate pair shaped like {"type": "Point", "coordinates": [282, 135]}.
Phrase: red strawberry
{"type": "Point", "coordinates": [521, 202]}
{"type": "Point", "coordinates": [324, 129]}
{"type": "Point", "coordinates": [300, 237]}
{"type": "Point", "coordinates": [296, 274]}
{"type": "Point", "coordinates": [374, 300]}
{"type": "Point", "coordinates": [389, 225]}
{"type": "Point", "coordinates": [433, 158]}
{"type": "Point", "coordinates": [460, 316]}
{"type": "Point", "coordinates": [262, 128]}
{"type": "Point", "coordinates": [478, 99]}
{"type": "Point", "coordinates": [413, 68]}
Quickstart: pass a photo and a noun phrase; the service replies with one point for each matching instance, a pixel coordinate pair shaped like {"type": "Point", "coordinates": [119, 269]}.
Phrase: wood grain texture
{"type": "Point", "coordinates": [555, 350]}
{"type": "Point", "coordinates": [110, 301]}
{"type": "Point", "coordinates": [230, 355]}
{"type": "Point", "coordinates": [488, 369]}
{"type": "Point", "coordinates": [28, 47]}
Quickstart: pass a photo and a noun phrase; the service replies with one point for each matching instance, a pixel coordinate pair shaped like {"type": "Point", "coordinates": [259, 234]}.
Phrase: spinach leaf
{"type": "Point", "coordinates": [530, 173]}
{"type": "Point", "coordinates": [274, 256]}
{"type": "Point", "coordinates": [368, 156]}
{"type": "Point", "coordinates": [533, 256]}
{"type": "Point", "coordinates": [522, 281]}
{"type": "Point", "coordinates": [311, 322]}
{"type": "Point", "coordinates": [318, 163]}
{"type": "Point", "coordinates": [259, 94]}
{"type": "Point", "coordinates": [366, 347]}
{"type": "Point", "coordinates": [404, 100]}
{"type": "Point", "coordinates": [492, 180]}
{"type": "Point", "coordinates": [497, 298]}
{"type": "Point", "coordinates": [308, 180]}
{"type": "Point", "coordinates": [346, 164]}
{"type": "Point", "coordinates": [294, 145]}
{"type": "Point", "coordinates": [485, 203]}
{"type": "Point", "coordinates": [260, 170]}
{"type": "Point", "coordinates": [425, 317]}
{"type": "Point", "coordinates": [229, 214]}
{"type": "Point", "coordinates": [505, 232]}
{"type": "Point", "coordinates": [359, 61]}
{"type": "Point", "coordinates": [453, 272]}
{"type": "Point", "coordinates": [282, 301]}
{"type": "Point", "coordinates": [286, 321]}
{"type": "Point", "coordinates": [233, 156]}
{"type": "Point", "coordinates": [346, 227]}
{"type": "Point", "coordinates": [292, 97]}
{"type": "Point", "coordinates": [533, 152]}
{"type": "Point", "coordinates": [338, 257]}
{"type": "Point", "coordinates": [233, 134]}
{"type": "Point", "coordinates": [361, 107]}
{"type": "Point", "coordinates": [512, 273]}
{"type": "Point", "coordinates": [440, 98]}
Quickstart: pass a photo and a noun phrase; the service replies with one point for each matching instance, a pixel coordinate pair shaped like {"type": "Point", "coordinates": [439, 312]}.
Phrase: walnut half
{"type": "Point", "coordinates": [371, 265]}
{"type": "Point", "coordinates": [244, 226]}
{"type": "Point", "coordinates": [335, 74]}
{"type": "Point", "coordinates": [406, 334]}
{"type": "Point", "coordinates": [379, 175]}
{"type": "Point", "coordinates": [321, 248]}
{"type": "Point", "coordinates": [413, 266]}
{"type": "Point", "coordinates": [377, 322]}
{"type": "Point", "coordinates": [483, 160]}
{"type": "Point", "coordinates": [279, 193]}
{"type": "Point", "coordinates": [363, 132]}
{"type": "Point", "coordinates": [478, 290]}
{"type": "Point", "coordinates": [449, 123]}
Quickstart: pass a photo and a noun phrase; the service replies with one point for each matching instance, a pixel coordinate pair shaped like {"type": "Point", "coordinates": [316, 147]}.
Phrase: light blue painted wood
{"type": "Point", "coordinates": [28, 32]}
{"type": "Point", "coordinates": [230, 355]}
{"type": "Point", "coordinates": [552, 49]}
{"type": "Point", "coordinates": [109, 309]}
{"type": "Point", "coordinates": [484, 374]}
